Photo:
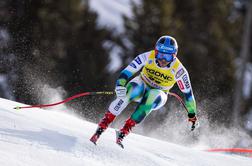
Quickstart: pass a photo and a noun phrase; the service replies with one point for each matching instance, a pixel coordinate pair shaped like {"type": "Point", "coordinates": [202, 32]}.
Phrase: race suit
{"type": "Point", "coordinates": [150, 88]}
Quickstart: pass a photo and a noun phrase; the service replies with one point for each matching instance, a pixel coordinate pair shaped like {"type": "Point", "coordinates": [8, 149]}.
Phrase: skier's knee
{"type": "Point", "coordinates": [156, 98]}
{"type": "Point", "coordinates": [135, 91]}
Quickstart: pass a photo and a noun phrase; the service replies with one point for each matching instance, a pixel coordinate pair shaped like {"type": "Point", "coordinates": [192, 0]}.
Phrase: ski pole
{"type": "Point", "coordinates": [67, 99]}
{"type": "Point", "coordinates": [182, 102]}
{"type": "Point", "coordinates": [179, 99]}
{"type": "Point", "coordinates": [88, 94]}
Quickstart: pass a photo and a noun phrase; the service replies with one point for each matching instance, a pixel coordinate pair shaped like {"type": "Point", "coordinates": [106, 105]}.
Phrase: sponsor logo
{"type": "Point", "coordinates": [167, 48]}
{"type": "Point", "coordinates": [138, 60]}
{"type": "Point", "coordinates": [186, 82]}
{"type": "Point", "coordinates": [133, 65]}
{"type": "Point", "coordinates": [156, 73]}
{"type": "Point", "coordinates": [149, 82]}
{"type": "Point", "coordinates": [119, 104]}
{"type": "Point", "coordinates": [180, 84]}
{"type": "Point", "coordinates": [173, 71]}
{"type": "Point", "coordinates": [179, 73]}
{"type": "Point", "coordinates": [150, 61]}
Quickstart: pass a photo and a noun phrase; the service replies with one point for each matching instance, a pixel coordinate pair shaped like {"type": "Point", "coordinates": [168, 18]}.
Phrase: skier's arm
{"type": "Point", "coordinates": [135, 66]}
{"type": "Point", "coordinates": [184, 84]}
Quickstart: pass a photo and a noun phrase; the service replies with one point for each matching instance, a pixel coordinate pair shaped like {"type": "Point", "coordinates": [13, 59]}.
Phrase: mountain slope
{"type": "Point", "coordinates": [39, 137]}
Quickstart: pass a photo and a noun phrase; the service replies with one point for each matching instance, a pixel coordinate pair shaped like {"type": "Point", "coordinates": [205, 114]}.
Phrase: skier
{"type": "Point", "coordinates": [159, 70]}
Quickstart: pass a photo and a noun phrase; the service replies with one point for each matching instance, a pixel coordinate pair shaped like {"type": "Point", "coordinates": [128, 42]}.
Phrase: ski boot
{"type": "Point", "coordinates": [102, 126]}
{"type": "Point", "coordinates": [119, 138]}
{"type": "Point", "coordinates": [124, 131]}
{"type": "Point", "coordinates": [96, 135]}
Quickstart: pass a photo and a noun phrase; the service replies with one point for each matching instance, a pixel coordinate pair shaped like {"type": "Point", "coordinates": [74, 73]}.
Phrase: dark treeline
{"type": "Point", "coordinates": [55, 43]}
{"type": "Point", "coordinates": [58, 43]}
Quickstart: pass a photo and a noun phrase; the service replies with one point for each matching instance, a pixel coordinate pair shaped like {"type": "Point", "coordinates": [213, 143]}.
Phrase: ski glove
{"type": "Point", "coordinates": [192, 118]}
{"type": "Point", "coordinates": [120, 91]}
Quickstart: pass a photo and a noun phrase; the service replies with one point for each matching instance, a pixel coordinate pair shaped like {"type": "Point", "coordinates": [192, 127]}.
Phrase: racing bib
{"type": "Point", "coordinates": [157, 77]}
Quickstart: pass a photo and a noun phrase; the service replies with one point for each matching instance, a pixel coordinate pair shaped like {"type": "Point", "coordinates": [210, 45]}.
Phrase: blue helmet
{"type": "Point", "coordinates": [167, 45]}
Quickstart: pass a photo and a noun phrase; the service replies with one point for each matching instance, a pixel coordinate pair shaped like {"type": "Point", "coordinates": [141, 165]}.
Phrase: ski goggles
{"type": "Point", "coordinates": [166, 57]}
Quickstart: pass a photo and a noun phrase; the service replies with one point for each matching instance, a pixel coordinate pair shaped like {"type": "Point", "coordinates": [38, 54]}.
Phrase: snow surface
{"type": "Point", "coordinates": [36, 137]}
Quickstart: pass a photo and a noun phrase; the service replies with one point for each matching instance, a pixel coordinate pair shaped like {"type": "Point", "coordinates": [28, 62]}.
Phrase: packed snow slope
{"type": "Point", "coordinates": [36, 137]}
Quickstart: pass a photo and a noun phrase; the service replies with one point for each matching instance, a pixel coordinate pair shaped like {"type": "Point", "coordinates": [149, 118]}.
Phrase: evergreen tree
{"type": "Point", "coordinates": [57, 43]}
{"type": "Point", "coordinates": [143, 29]}
{"type": "Point", "coordinates": [22, 16]}
{"type": "Point", "coordinates": [208, 41]}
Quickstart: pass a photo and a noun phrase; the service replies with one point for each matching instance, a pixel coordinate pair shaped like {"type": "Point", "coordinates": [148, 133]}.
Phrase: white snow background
{"type": "Point", "coordinates": [110, 16]}
{"type": "Point", "coordinates": [38, 137]}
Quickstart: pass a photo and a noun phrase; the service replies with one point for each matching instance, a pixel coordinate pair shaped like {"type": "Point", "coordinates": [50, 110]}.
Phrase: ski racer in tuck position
{"type": "Point", "coordinates": [159, 70]}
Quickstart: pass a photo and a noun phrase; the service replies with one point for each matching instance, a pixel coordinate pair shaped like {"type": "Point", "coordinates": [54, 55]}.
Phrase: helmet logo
{"type": "Point", "coordinates": [166, 48]}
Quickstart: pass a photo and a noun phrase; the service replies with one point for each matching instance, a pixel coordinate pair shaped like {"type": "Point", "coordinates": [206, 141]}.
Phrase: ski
{"type": "Point", "coordinates": [119, 139]}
